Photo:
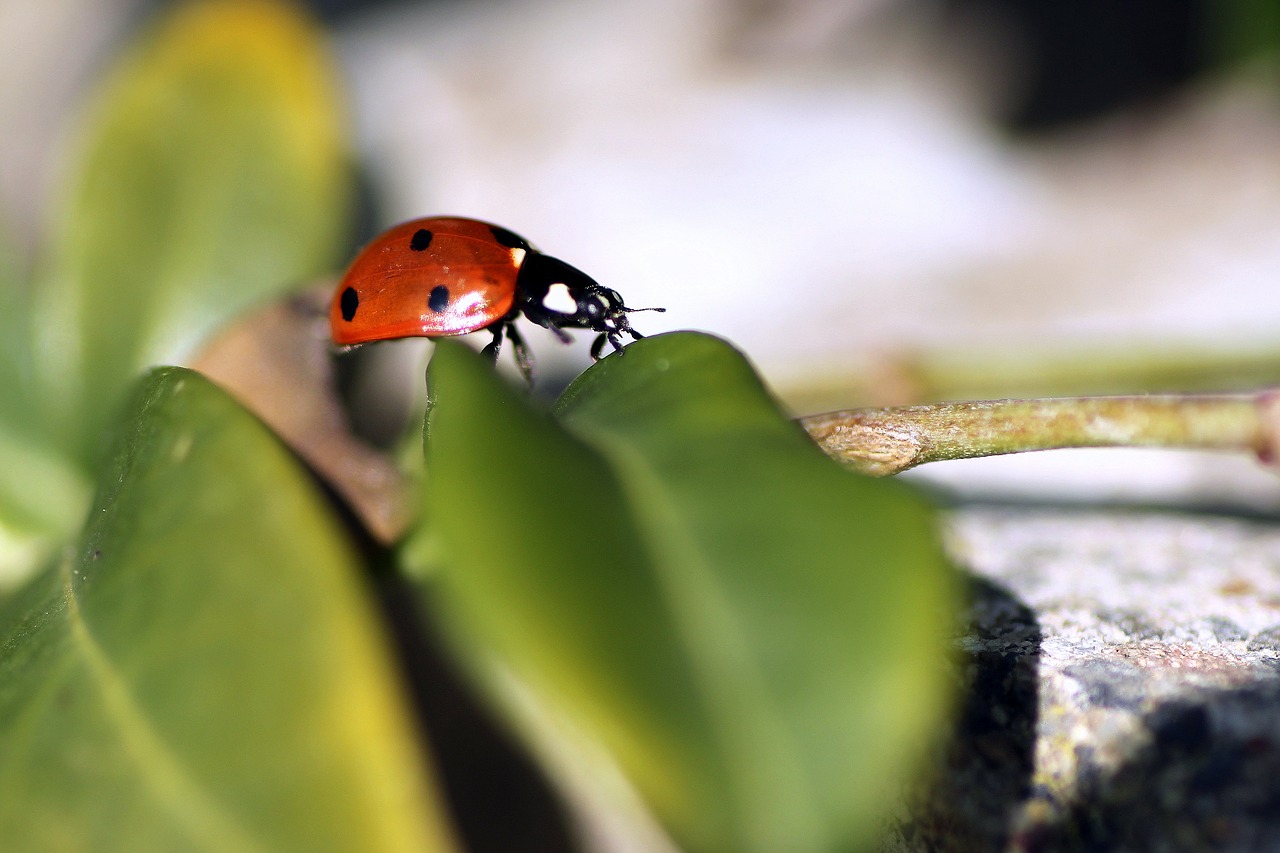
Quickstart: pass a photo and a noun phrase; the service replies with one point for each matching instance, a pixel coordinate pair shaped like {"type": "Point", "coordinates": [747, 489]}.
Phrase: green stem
{"type": "Point", "coordinates": [882, 442]}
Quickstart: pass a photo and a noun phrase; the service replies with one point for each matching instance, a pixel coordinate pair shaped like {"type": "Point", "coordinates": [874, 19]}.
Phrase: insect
{"type": "Point", "coordinates": [442, 276]}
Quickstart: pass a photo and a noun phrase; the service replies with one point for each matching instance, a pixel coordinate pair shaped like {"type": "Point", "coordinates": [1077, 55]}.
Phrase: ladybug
{"type": "Point", "coordinates": [442, 276]}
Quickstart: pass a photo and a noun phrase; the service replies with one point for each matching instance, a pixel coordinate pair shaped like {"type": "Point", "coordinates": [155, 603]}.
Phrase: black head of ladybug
{"type": "Point", "coordinates": [597, 307]}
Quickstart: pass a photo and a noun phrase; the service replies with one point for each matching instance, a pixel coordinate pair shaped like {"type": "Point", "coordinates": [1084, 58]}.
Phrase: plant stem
{"type": "Point", "coordinates": [886, 441]}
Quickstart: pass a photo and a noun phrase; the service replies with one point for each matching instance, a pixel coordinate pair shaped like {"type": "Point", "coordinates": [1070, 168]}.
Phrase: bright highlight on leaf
{"type": "Point", "coordinates": [673, 573]}
{"type": "Point", "coordinates": [204, 670]}
{"type": "Point", "coordinates": [210, 175]}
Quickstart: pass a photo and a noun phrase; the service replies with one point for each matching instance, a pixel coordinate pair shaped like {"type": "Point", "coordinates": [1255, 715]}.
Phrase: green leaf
{"type": "Point", "coordinates": [211, 174]}
{"type": "Point", "coordinates": [15, 346]}
{"type": "Point", "coordinates": [1235, 32]}
{"type": "Point", "coordinates": [42, 499]}
{"type": "Point", "coordinates": [42, 495]}
{"type": "Point", "coordinates": [676, 574]}
{"type": "Point", "coordinates": [204, 670]}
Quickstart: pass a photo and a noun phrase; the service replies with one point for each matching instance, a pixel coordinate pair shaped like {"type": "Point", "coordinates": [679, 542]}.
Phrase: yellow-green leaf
{"type": "Point", "coordinates": [42, 493]}
{"type": "Point", "coordinates": [210, 174]}
{"type": "Point", "coordinates": [203, 670]}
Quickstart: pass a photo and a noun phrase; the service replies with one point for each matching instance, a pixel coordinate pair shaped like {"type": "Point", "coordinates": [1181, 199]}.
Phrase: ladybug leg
{"type": "Point", "coordinates": [598, 345]}
{"type": "Point", "coordinates": [549, 323]}
{"type": "Point", "coordinates": [495, 346]}
{"type": "Point", "coordinates": [523, 360]}
{"type": "Point", "coordinates": [535, 313]}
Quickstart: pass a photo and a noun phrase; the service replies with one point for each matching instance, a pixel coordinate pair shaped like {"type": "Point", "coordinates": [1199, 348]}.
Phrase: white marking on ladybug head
{"type": "Point", "coordinates": [558, 299]}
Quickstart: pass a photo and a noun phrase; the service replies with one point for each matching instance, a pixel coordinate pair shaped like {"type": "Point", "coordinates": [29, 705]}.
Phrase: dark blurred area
{"type": "Point", "coordinates": [1090, 57]}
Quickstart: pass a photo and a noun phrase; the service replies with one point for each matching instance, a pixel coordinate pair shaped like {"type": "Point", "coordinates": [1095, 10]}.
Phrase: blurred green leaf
{"type": "Point", "coordinates": [203, 670]}
{"type": "Point", "coordinates": [676, 573]}
{"type": "Point", "coordinates": [42, 495]}
{"type": "Point", "coordinates": [42, 498]}
{"type": "Point", "coordinates": [211, 174]}
{"type": "Point", "coordinates": [1241, 31]}
{"type": "Point", "coordinates": [15, 347]}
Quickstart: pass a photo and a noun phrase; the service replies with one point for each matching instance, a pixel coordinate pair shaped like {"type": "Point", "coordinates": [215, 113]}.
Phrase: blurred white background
{"type": "Point", "coordinates": [837, 186]}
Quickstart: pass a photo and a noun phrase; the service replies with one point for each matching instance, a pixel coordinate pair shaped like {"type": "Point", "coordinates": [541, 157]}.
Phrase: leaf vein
{"type": "Point", "coordinates": [194, 808]}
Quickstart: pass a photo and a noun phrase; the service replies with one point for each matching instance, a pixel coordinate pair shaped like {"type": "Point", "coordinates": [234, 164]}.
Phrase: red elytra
{"type": "Point", "coordinates": [441, 276]}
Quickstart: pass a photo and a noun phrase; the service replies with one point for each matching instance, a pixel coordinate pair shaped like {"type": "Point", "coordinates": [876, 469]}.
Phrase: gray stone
{"type": "Point", "coordinates": [1120, 678]}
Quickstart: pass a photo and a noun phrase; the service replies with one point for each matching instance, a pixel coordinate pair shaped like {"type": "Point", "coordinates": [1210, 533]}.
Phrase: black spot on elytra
{"type": "Point", "coordinates": [421, 240]}
{"type": "Point", "coordinates": [439, 298]}
{"type": "Point", "coordinates": [508, 239]}
{"type": "Point", "coordinates": [350, 302]}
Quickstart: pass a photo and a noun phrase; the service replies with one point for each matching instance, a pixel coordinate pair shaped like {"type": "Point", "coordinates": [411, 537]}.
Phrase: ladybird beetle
{"type": "Point", "coordinates": [442, 276]}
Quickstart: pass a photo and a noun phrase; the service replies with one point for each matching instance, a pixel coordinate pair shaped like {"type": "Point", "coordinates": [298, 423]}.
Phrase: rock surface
{"type": "Point", "coordinates": [1121, 676]}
